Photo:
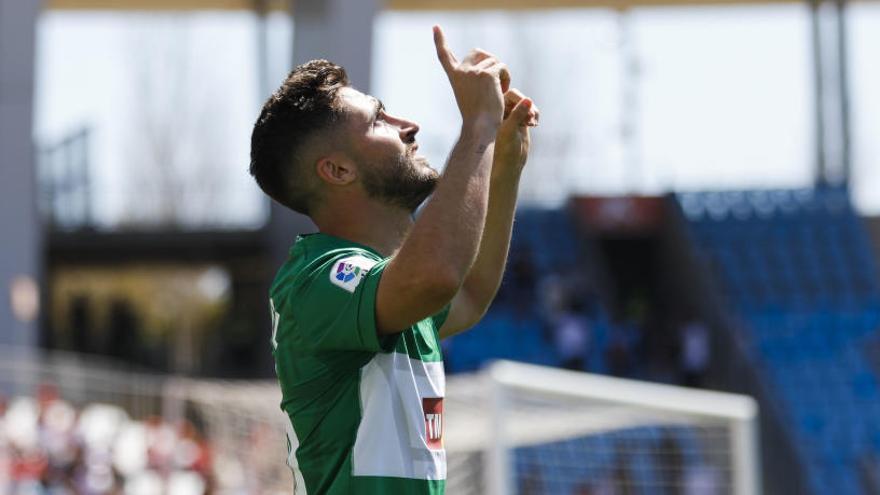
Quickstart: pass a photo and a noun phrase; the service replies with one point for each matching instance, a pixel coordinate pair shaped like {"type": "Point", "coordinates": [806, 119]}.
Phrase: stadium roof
{"type": "Point", "coordinates": [399, 5]}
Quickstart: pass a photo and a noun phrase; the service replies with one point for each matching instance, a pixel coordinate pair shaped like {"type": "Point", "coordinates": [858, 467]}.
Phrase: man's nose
{"type": "Point", "coordinates": [408, 130]}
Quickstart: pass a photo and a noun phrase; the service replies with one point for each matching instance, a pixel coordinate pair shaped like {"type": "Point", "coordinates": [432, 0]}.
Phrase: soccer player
{"type": "Point", "coordinates": [359, 308]}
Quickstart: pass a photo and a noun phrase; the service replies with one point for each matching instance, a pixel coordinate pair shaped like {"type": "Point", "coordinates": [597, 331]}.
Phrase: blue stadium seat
{"type": "Point", "coordinates": [798, 266]}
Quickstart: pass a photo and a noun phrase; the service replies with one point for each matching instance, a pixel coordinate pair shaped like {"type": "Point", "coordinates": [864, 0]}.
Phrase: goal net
{"type": "Point", "coordinates": [525, 429]}
{"type": "Point", "coordinates": [509, 429]}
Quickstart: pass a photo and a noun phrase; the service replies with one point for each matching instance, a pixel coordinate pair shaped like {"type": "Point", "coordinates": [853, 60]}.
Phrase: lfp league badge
{"type": "Point", "coordinates": [349, 272]}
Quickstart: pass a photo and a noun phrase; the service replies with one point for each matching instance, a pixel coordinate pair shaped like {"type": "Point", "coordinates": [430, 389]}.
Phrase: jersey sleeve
{"type": "Point", "coordinates": [335, 304]}
{"type": "Point", "coordinates": [440, 318]}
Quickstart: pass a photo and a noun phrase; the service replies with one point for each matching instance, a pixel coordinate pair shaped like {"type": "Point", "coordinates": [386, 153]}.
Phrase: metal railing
{"type": "Point", "coordinates": [65, 182]}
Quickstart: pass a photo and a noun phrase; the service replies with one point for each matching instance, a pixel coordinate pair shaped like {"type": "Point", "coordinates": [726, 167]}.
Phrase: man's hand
{"type": "Point", "coordinates": [512, 139]}
{"type": "Point", "coordinates": [449, 230]}
{"type": "Point", "coordinates": [479, 82]}
{"type": "Point", "coordinates": [510, 154]}
{"type": "Point", "coordinates": [512, 98]}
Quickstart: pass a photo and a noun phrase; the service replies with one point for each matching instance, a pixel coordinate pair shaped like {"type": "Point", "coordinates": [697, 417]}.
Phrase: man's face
{"type": "Point", "coordinates": [384, 148]}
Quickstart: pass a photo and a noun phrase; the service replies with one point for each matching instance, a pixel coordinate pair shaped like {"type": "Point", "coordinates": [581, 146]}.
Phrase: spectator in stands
{"type": "Point", "coordinates": [619, 351]}
{"type": "Point", "coordinates": [27, 469]}
{"type": "Point", "coordinates": [159, 443]}
{"type": "Point", "coordinates": [701, 479]}
{"type": "Point", "coordinates": [571, 336]}
{"type": "Point", "coordinates": [554, 295]}
{"type": "Point", "coordinates": [603, 486]}
{"type": "Point", "coordinates": [531, 483]}
{"type": "Point", "coordinates": [192, 451]}
{"type": "Point", "coordinates": [623, 484]}
{"type": "Point", "coordinates": [670, 460]}
{"type": "Point", "coordinates": [616, 354]}
{"type": "Point", "coordinates": [584, 489]}
{"type": "Point", "coordinates": [520, 280]}
{"type": "Point", "coordinates": [49, 447]}
{"type": "Point", "coordinates": [869, 472]}
{"type": "Point", "coordinates": [59, 444]}
{"type": "Point", "coordinates": [638, 317]}
{"type": "Point", "coordinates": [695, 353]}
{"type": "Point", "coordinates": [625, 351]}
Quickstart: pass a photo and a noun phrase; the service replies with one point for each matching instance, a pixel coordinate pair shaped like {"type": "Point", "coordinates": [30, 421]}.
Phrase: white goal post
{"type": "Point", "coordinates": [520, 428]}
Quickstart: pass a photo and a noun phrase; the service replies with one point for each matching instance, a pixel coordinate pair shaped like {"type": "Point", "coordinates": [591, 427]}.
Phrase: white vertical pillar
{"type": "Point", "coordinates": [20, 232]}
{"type": "Point", "coordinates": [340, 31]}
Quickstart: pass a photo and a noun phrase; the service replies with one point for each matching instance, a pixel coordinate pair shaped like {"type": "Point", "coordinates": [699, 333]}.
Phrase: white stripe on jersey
{"type": "Point", "coordinates": [392, 436]}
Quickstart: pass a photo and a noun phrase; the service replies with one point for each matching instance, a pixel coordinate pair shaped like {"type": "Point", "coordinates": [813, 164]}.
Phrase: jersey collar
{"type": "Point", "coordinates": [321, 238]}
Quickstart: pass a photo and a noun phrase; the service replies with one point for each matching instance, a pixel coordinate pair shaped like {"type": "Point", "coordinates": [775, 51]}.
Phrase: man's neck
{"type": "Point", "coordinates": [380, 227]}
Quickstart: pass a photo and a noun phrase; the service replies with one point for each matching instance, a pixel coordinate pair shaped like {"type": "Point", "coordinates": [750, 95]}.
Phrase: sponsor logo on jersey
{"type": "Point", "coordinates": [433, 408]}
{"type": "Point", "coordinates": [348, 272]}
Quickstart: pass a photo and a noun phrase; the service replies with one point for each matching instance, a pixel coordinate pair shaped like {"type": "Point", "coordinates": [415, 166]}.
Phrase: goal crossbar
{"type": "Point", "coordinates": [615, 404]}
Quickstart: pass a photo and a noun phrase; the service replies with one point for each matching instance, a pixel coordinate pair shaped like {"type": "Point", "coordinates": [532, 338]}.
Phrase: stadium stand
{"type": "Point", "coordinates": [793, 268]}
{"type": "Point", "coordinates": [546, 279]}
{"type": "Point", "coordinates": [544, 247]}
{"type": "Point", "coordinates": [796, 268]}
{"type": "Point", "coordinates": [796, 272]}
{"type": "Point", "coordinates": [80, 425]}
{"type": "Point", "coordinates": [49, 446]}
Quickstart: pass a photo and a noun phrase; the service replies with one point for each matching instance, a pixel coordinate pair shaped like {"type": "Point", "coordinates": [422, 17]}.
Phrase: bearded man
{"type": "Point", "coordinates": [359, 308]}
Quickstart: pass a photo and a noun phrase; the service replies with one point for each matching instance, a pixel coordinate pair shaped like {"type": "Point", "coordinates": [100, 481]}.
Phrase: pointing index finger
{"type": "Point", "coordinates": [444, 54]}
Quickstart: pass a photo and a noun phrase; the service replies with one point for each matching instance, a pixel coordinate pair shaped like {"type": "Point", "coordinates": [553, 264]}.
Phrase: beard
{"type": "Point", "coordinates": [405, 182]}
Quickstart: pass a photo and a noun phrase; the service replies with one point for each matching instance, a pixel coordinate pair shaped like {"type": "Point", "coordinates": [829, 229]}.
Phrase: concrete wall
{"type": "Point", "coordinates": [20, 233]}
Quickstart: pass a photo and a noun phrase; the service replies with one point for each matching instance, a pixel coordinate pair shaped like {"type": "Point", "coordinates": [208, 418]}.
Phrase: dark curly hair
{"type": "Point", "coordinates": [303, 106]}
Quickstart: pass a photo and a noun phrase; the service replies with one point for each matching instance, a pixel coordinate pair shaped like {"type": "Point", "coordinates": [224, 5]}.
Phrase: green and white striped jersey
{"type": "Point", "coordinates": [367, 412]}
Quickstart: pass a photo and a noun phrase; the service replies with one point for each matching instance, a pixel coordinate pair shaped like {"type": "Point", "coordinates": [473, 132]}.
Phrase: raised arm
{"type": "Point", "coordinates": [510, 155]}
{"type": "Point", "coordinates": [435, 258]}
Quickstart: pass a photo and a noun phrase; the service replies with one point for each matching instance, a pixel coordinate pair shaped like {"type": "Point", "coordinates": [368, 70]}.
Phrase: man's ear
{"type": "Point", "coordinates": [336, 169]}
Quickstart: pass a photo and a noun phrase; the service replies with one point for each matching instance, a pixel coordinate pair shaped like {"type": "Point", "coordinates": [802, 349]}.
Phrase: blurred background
{"type": "Point", "coordinates": [700, 208]}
